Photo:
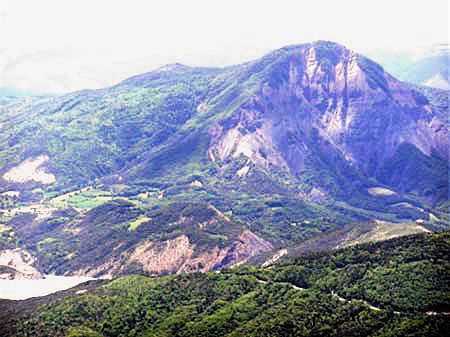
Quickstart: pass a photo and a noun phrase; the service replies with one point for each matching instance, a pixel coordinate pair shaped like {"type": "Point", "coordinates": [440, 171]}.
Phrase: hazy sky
{"type": "Point", "coordinates": [61, 46]}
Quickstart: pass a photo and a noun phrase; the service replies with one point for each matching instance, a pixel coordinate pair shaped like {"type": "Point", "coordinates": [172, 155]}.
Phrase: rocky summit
{"type": "Point", "coordinates": [188, 169]}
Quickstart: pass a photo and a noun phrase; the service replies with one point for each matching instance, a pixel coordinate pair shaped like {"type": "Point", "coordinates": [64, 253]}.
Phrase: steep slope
{"type": "Point", "coordinates": [119, 237]}
{"type": "Point", "coordinates": [91, 133]}
{"type": "Point", "coordinates": [325, 99]}
{"type": "Point", "coordinates": [307, 139]}
{"type": "Point", "coordinates": [275, 111]}
{"type": "Point", "coordinates": [394, 288]}
{"type": "Point", "coordinates": [346, 236]}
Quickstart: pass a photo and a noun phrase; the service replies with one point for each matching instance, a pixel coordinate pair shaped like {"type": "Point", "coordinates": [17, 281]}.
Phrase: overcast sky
{"type": "Point", "coordinates": [60, 47]}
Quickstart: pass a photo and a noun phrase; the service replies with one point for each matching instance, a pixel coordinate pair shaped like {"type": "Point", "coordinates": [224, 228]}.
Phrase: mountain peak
{"type": "Point", "coordinates": [173, 67]}
{"type": "Point", "coordinates": [261, 141]}
{"type": "Point", "coordinates": [322, 45]}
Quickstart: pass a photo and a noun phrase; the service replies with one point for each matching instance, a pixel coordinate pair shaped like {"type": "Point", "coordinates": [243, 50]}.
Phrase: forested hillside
{"type": "Point", "coordinates": [399, 287]}
{"type": "Point", "coordinates": [225, 163]}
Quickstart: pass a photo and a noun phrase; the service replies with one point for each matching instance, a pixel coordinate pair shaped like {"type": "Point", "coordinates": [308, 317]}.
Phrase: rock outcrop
{"type": "Point", "coordinates": [324, 98]}
{"type": "Point", "coordinates": [179, 255]}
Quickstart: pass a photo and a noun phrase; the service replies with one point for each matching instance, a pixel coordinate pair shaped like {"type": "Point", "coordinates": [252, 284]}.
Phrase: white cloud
{"type": "Point", "coordinates": [60, 47]}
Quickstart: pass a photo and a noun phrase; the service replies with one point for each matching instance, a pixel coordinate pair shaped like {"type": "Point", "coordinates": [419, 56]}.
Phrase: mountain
{"type": "Point", "coordinates": [398, 287]}
{"type": "Point", "coordinates": [430, 69]}
{"type": "Point", "coordinates": [9, 95]}
{"type": "Point", "coordinates": [187, 168]}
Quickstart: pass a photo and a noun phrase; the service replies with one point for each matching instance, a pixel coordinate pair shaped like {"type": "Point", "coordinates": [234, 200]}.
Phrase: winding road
{"type": "Point", "coordinates": [365, 303]}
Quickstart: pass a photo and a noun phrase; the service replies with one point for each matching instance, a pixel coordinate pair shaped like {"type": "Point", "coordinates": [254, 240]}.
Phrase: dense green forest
{"type": "Point", "coordinates": [399, 287]}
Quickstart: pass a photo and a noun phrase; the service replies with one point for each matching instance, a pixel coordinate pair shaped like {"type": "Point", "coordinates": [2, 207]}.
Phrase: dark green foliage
{"type": "Point", "coordinates": [199, 222]}
{"type": "Point", "coordinates": [409, 275]}
{"type": "Point", "coordinates": [417, 173]}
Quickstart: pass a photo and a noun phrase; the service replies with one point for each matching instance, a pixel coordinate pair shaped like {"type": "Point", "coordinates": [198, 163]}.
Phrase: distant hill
{"type": "Point", "coordinates": [14, 92]}
{"type": "Point", "coordinates": [431, 69]}
{"type": "Point", "coordinates": [346, 236]}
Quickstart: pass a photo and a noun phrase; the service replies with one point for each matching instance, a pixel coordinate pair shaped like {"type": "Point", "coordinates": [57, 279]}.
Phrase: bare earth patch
{"type": "Point", "coordinates": [41, 211]}
{"type": "Point", "coordinates": [30, 170]}
{"type": "Point", "coordinates": [388, 230]}
{"type": "Point", "coordinates": [380, 191]}
{"type": "Point", "coordinates": [20, 260]}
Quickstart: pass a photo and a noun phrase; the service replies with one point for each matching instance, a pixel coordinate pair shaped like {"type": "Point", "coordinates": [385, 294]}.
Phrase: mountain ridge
{"type": "Point", "coordinates": [306, 139]}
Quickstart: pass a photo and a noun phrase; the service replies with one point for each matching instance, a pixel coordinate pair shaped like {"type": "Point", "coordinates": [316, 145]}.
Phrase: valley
{"type": "Point", "coordinates": [302, 193]}
{"type": "Point", "coordinates": [224, 162]}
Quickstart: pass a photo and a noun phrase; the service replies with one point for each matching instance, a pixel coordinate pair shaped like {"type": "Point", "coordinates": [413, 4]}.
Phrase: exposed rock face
{"type": "Point", "coordinates": [325, 97]}
{"type": "Point", "coordinates": [307, 125]}
{"type": "Point", "coordinates": [275, 257]}
{"type": "Point", "coordinates": [249, 245]}
{"type": "Point", "coordinates": [179, 255]}
{"type": "Point", "coordinates": [163, 257]}
{"type": "Point", "coordinates": [30, 170]}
